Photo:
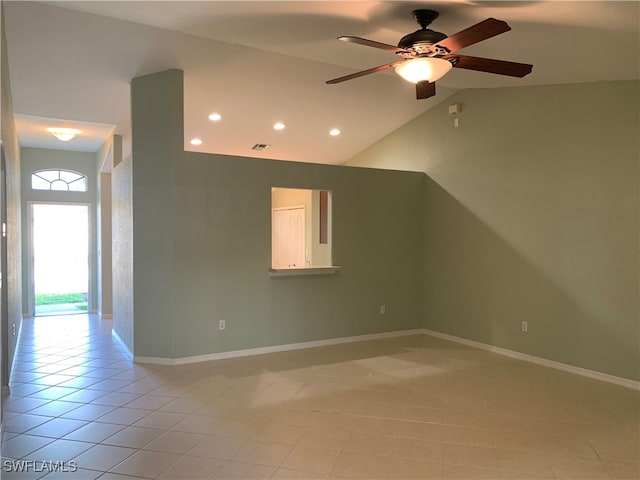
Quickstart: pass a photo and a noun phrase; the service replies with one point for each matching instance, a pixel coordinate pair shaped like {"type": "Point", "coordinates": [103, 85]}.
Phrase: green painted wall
{"type": "Point", "coordinates": [157, 144]}
{"type": "Point", "coordinates": [202, 244]}
{"type": "Point", "coordinates": [531, 213]}
{"type": "Point", "coordinates": [223, 253]}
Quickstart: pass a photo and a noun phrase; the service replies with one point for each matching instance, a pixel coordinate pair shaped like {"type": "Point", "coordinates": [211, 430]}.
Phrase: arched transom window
{"type": "Point", "coordinates": [59, 180]}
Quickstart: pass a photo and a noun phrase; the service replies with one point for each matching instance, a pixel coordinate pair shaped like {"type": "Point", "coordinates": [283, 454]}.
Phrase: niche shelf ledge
{"type": "Point", "coordinates": [291, 272]}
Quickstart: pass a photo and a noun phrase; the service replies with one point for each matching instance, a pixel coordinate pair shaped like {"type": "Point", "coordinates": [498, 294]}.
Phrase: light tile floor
{"type": "Point", "coordinates": [411, 407]}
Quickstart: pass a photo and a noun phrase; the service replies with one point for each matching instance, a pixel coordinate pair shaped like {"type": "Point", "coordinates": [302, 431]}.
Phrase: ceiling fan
{"type": "Point", "coordinates": [428, 55]}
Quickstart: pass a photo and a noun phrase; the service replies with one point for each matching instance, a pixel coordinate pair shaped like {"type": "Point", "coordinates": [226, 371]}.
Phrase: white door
{"type": "Point", "coordinates": [288, 237]}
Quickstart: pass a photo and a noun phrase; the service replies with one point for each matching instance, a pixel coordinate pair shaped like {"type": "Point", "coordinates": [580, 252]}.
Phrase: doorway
{"type": "Point", "coordinates": [60, 258]}
{"type": "Point", "coordinates": [288, 237]}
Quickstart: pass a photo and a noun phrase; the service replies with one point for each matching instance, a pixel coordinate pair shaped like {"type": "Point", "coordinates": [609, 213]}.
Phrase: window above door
{"type": "Point", "coordinates": [58, 180]}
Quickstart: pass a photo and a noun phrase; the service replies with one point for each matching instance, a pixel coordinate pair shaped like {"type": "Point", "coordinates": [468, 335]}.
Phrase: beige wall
{"type": "Point", "coordinates": [104, 164]}
{"type": "Point", "coordinates": [531, 214]}
{"type": "Point", "coordinates": [122, 250]}
{"type": "Point", "coordinates": [290, 197]}
{"type": "Point", "coordinates": [105, 284]}
{"type": "Point", "coordinates": [11, 251]}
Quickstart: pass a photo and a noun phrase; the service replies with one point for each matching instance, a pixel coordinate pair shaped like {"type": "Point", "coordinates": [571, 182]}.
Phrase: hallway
{"type": "Point", "coordinates": [63, 364]}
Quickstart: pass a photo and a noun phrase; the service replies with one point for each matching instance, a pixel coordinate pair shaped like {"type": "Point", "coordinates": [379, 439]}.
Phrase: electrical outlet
{"type": "Point", "coordinates": [222, 324]}
{"type": "Point", "coordinates": [525, 326]}
{"type": "Point", "coordinates": [383, 310]}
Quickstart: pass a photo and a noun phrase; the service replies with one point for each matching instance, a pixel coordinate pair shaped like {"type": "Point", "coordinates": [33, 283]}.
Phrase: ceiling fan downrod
{"type": "Point", "coordinates": [425, 17]}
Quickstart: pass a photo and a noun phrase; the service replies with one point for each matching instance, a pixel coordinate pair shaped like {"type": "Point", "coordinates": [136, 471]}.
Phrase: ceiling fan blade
{"type": "Point", "coordinates": [381, 68]}
{"type": "Point", "coordinates": [425, 89]}
{"type": "Point", "coordinates": [489, 65]}
{"type": "Point", "coordinates": [371, 43]}
{"type": "Point", "coordinates": [476, 33]}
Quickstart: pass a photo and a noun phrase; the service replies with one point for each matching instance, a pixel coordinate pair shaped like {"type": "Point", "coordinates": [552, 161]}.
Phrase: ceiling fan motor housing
{"type": "Point", "coordinates": [422, 39]}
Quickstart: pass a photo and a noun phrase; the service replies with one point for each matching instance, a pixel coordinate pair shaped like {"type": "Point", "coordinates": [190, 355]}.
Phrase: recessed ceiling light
{"type": "Point", "coordinates": [196, 141]}
{"type": "Point", "coordinates": [63, 134]}
{"type": "Point", "coordinates": [278, 126]}
{"type": "Point", "coordinates": [215, 117]}
{"type": "Point", "coordinates": [334, 132]}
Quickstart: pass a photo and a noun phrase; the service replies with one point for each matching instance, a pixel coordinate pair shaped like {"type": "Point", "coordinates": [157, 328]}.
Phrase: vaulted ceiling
{"type": "Point", "coordinates": [259, 62]}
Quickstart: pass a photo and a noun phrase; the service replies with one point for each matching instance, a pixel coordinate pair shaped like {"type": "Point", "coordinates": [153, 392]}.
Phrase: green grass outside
{"type": "Point", "coordinates": [57, 298]}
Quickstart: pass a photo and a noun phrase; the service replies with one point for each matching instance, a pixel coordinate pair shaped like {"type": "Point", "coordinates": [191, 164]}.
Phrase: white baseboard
{"type": "Point", "coordinates": [163, 360]}
{"type": "Point", "coordinates": [274, 349]}
{"type": "Point", "coordinates": [605, 377]}
{"type": "Point", "coordinates": [106, 316]}
{"type": "Point", "coordinates": [624, 382]}
{"type": "Point", "coordinates": [16, 352]}
{"type": "Point", "coordinates": [117, 338]}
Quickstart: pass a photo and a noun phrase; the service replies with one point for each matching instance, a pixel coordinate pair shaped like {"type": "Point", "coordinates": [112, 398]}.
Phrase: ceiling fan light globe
{"type": "Point", "coordinates": [421, 69]}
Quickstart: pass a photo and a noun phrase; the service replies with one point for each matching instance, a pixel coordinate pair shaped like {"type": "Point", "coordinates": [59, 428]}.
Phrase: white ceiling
{"type": "Point", "coordinates": [32, 133]}
{"type": "Point", "coordinates": [258, 62]}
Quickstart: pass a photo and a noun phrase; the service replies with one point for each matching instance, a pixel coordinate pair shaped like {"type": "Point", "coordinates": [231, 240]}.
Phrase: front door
{"type": "Point", "coordinates": [60, 267]}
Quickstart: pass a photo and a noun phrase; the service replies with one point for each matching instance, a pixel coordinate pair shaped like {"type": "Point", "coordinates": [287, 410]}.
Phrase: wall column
{"type": "Point", "coordinates": [157, 142]}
